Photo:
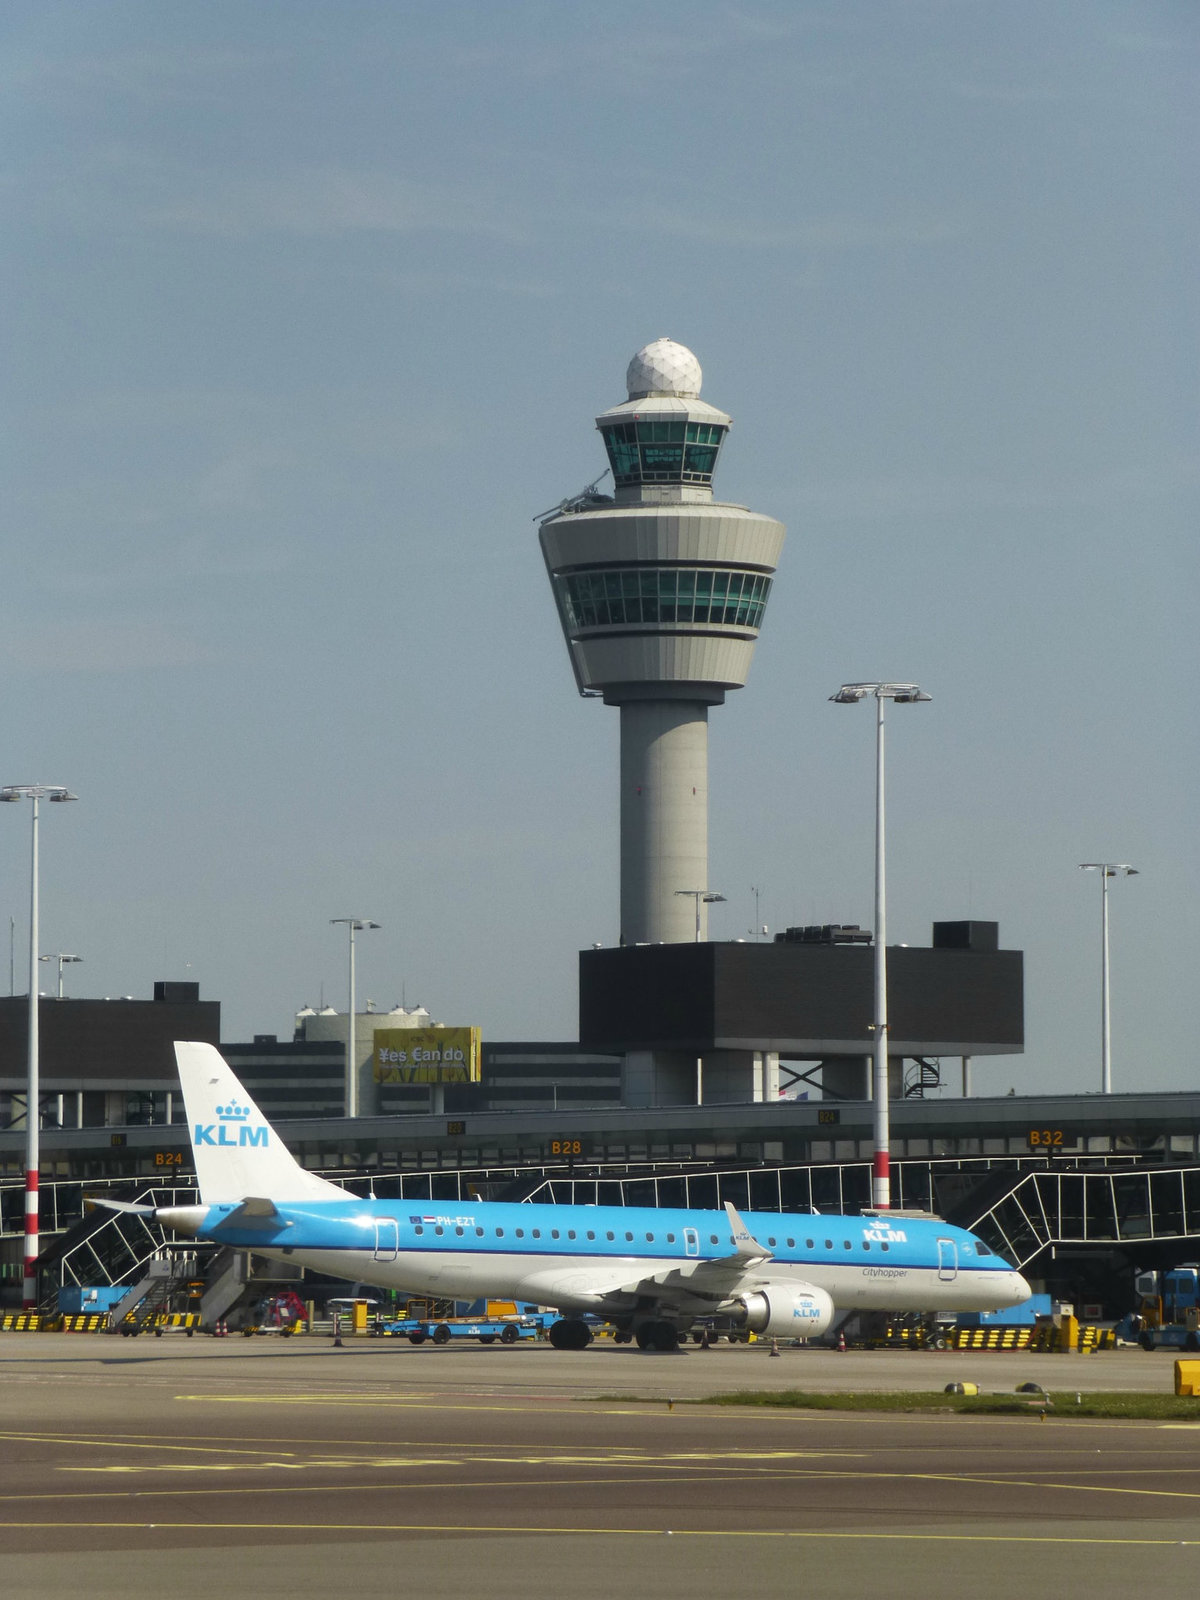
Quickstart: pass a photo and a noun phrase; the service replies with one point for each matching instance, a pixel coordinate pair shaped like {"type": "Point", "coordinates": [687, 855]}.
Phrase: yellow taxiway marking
{"type": "Point", "coordinates": [506, 1459]}
{"type": "Point", "coordinates": [649, 1533]}
{"type": "Point", "coordinates": [645, 1469]}
{"type": "Point", "coordinates": [78, 1442]}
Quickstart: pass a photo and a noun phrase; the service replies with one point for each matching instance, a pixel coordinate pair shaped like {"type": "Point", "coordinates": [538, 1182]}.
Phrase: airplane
{"type": "Point", "coordinates": [652, 1273]}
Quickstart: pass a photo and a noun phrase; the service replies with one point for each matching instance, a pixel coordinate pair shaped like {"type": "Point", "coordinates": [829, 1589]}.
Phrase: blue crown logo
{"type": "Point", "coordinates": [232, 1112]}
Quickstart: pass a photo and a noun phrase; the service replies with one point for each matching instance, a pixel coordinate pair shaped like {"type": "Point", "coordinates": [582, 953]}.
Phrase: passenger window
{"type": "Point", "coordinates": [808, 1244]}
{"type": "Point", "coordinates": [829, 1244]}
{"type": "Point", "coordinates": [479, 1231]}
{"type": "Point", "coordinates": [791, 1244]}
{"type": "Point", "coordinates": [499, 1233]}
{"type": "Point", "coordinates": [591, 1235]}
{"type": "Point", "coordinates": [439, 1229]}
{"type": "Point", "coordinates": [649, 1238]}
{"type": "Point", "coordinates": [554, 1233]}
{"type": "Point", "coordinates": [629, 1237]}
{"type": "Point", "coordinates": [712, 1238]}
{"type": "Point", "coordinates": [670, 1238]}
{"type": "Point", "coordinates": [883, 1247]}
{"type": "Point", "coordinates": [459, 1232]}
{"type": "Point", "coordinates": [418, 1228]}
{"type": "Point", "coordinates": [610, 1235]}
{"type": "Point", "coordinates": [570, 1233]}
{"type": "Point", "coordinates": [771, 1242]}
{"type": "Point", "coordinates": [520, 1232]}
{"type": "Point", "coordinates": [537, 1233]}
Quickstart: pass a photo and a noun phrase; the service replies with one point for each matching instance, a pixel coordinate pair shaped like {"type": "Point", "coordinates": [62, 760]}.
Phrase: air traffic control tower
{"type": "Point", "coordinates": [661, 592]}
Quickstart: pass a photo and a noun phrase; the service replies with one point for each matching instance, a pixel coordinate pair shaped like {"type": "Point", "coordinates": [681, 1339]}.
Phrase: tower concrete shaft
{"type": "Point", "coordinates": [664, 820]}
{"type": "Point", "coordinates": [661, 592]}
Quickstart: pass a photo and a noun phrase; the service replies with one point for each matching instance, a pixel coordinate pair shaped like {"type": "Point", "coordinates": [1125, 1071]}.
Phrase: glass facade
{"type": "Point", "coordinates": [645, 451]}
{"type": "Point", "coordinates": [628, 596]}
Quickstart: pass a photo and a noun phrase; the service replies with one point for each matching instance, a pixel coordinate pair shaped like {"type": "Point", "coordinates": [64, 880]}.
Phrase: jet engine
{"type": "Point", "coordinates": [783, 1310]}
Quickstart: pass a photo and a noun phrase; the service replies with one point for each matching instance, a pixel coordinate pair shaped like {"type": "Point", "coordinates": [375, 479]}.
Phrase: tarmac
{"type": "Point", "coordinates": [201, 1467]}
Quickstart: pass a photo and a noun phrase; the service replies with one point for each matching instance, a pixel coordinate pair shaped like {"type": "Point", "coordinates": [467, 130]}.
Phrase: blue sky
{"type": "Point", "coordinates": [311, 309]}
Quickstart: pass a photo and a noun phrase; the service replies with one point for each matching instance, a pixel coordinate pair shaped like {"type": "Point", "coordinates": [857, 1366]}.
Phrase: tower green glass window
{"type": "Point", "coordinates": [652, 450]}
{"type": "Point", "coordinates": [627, 596]}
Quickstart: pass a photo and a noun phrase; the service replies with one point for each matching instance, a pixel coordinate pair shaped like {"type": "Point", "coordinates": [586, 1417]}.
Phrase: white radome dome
{"type": "Point", "coordinates": [663, 367]}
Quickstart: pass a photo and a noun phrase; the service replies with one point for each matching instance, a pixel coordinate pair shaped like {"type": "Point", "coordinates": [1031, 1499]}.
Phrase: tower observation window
{"type": "Point", "coordinates": [653, 451]}
{"type": "Point", "coordinates": [624, 597]}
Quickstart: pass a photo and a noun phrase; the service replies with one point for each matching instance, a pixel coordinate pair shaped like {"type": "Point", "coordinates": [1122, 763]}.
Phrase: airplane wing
{"type": "Point", "coordinates": [128, 1206]}
{"type": "Point", "coordinates": [707, 1282]}
{"type": "Point", "coordinates": [713, 1279]}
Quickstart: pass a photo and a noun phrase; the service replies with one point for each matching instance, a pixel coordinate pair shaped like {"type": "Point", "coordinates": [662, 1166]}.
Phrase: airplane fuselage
{"type": "Point", "coordinates": [585, 1257]}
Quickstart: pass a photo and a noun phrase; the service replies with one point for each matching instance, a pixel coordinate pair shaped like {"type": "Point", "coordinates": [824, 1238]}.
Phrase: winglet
{"type": "Point", "coordinates": [745, 1244]}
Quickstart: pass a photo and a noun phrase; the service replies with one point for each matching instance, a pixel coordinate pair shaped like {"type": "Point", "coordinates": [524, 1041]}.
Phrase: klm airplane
{"type": "Point", "coordinates": [652, 1273]}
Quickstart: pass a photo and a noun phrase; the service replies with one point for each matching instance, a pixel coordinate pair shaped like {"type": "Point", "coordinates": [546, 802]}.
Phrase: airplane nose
{"type": "Point", "coordinates": [1020, 1289]}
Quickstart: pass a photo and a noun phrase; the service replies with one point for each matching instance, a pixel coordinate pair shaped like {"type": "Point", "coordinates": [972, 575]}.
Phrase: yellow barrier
{"type": "Point", "coordinates": [991, 1338]}
{"type": "Point", "coordinates": [1091, 1339]}
{"type": "Point", "coordinates": [1187, 1378]}
{"type": "Point", "coordinates": [20, 1321]}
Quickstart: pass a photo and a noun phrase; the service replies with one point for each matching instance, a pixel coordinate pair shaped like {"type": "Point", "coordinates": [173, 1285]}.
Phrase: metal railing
{"type": "Point", "coordinates": [1091, 1208]}
{"type": "Point", "coordinates": [1019, 1211]}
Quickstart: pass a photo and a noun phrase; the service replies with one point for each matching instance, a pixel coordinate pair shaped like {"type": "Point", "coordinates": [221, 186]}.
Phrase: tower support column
{"type": "Point", "coordinates": [664, 820]}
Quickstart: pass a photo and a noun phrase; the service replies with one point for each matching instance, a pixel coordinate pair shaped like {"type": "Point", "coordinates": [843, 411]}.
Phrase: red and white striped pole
{"type": "Point", "coordinates": [33, 792]}
{"type": "Point", "coordinates": [33, 1093]}
{"type": "Point", "coordinates": [881, 1175]}
{"type": "Point", "coordinates": [905, 694]}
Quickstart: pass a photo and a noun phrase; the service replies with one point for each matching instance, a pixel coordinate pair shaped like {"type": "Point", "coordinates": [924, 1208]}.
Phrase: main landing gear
{"type": "Point", "coordinates": [571, 1333]}
{"type": "Point", "coordinates": [657, 1336]}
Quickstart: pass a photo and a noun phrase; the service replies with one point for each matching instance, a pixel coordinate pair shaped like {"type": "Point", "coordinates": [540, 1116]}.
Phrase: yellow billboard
{"type": "Point", "coordinates": [426, 1055]}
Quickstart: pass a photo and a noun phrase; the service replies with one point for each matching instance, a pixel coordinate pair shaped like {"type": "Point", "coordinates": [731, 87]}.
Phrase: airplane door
{"type": "Point", "coordinates": [387, 1238]}
{"type": "Point", "coordinates": [691, 1242]}
{"type": "Point", "coordinates": [947, 1261]}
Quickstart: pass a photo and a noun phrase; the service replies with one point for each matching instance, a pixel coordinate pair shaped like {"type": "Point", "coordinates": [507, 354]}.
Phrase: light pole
{"type": "Point", "coordinates": [353, 925]}
{"type": "Point", "coordinates": [34, 792]}
{"type": "Point", "coordinates": [702, 897]}
{"type": "Point", "coordinates": [63, 959]}
{"type": "Point", "coordinates": [1107, 870]}
{"type": "Point", "coordinates": [902, 694]}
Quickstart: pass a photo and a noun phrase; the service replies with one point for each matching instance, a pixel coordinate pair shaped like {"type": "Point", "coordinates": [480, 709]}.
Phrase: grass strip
{"type": "Point", "coordinates": [1123, 1405]}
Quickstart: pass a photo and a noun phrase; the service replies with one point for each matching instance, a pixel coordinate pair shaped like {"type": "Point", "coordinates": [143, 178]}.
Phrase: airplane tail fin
{"type": "Point", "coordinates": [236, 1151]}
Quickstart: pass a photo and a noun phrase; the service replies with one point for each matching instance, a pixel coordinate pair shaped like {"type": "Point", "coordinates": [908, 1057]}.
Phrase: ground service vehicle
{"type": "Point", "coordinates": [1168, 1314]}
{"type": "Point", "coordinates": [505, 1330]}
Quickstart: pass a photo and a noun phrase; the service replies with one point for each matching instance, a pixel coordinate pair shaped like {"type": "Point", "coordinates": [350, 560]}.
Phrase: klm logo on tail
{"type": "Point", "coordinates": [222, 1132]}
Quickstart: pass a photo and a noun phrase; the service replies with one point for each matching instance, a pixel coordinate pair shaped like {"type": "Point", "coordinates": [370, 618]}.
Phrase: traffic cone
{"type": "Point", "coordinates": [841, 1341]}
{"type": "Point", "coordinates": [774, 1347]}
